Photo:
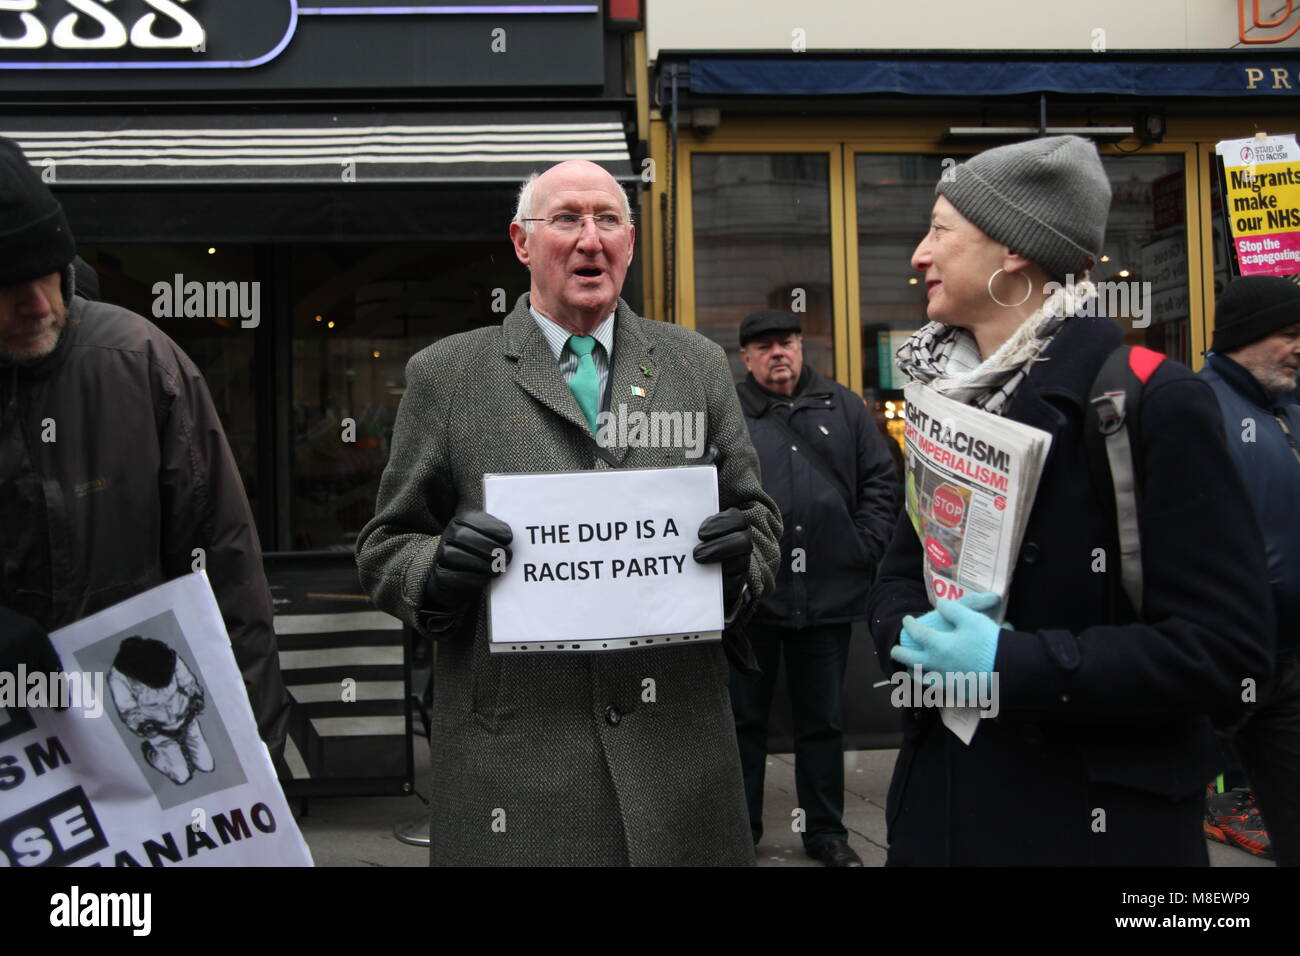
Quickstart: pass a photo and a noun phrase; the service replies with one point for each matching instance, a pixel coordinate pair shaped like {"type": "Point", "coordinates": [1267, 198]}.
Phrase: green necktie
{"type": "Point", "coordinates": [585, 383]}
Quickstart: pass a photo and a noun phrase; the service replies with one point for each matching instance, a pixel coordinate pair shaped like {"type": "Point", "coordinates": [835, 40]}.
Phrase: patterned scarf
{"type": "Point", "coordinates": [947, 358]}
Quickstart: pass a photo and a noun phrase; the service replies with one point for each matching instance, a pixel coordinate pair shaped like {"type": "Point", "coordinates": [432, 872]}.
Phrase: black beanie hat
{"type": "Point", "coordinates": [35, 239]}
{"type": "Point", "coordinates": [1252, 307]}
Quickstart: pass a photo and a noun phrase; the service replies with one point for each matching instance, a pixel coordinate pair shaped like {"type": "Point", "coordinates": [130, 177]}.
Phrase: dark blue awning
{"type": "Point", "coordinates": [932, 76]}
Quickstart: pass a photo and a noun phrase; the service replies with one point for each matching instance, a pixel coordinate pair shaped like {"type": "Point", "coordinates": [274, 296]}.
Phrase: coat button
{"type": "Point", "coordinates": [612, 716]}
{"type": "Point", "coordinates": [798, 527]}
{"type": "Point", "coordinates": [1029, 553]}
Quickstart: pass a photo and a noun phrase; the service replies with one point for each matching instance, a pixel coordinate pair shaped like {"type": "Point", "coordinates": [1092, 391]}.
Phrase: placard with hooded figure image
{"type": "Point", "coordinates": [163, 766]}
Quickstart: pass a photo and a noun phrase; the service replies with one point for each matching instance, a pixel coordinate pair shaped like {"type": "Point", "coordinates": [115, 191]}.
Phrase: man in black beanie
{"type": "Point", "coordinates": [115, 475]}
{"type": "Point", "coordinates": [1252, 368]}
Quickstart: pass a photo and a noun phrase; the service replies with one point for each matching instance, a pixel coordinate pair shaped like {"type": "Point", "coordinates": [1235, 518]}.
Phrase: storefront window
{"type": "Point", "coordinates": [895, 195]}
{"type": "Point", "coordinates": [1146, 252]}
{"type": "Point", "coordinates": [762, 241]}
{"type": "Point", "coordinates": [360, 311]}
{"type": "Point", "coordinates": [221, 346]}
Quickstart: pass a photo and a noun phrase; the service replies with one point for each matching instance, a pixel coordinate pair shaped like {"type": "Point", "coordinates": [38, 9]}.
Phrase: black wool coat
{"type": "Point", "coordinates": [1103, 745]}
{"type": "Point", "coordinates": [842, 540]}
{"type": "Point", "coordinates": [1254, 422]}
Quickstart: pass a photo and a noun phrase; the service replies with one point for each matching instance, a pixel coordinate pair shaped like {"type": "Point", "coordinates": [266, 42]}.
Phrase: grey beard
{"type": "Point", "coordinates": [1278, 389]}
{"type": "Point", "coordinates": [23, 361]}
{"type": "Point", "coordinates": [1275, 385]}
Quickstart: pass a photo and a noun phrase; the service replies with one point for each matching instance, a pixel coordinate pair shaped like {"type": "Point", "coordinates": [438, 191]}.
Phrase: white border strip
{"type": "Point", "coordinates": [607, 644]}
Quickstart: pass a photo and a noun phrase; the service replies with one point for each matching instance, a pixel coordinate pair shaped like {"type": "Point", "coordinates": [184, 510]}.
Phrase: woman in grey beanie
{"type": "Point", "coordinates": [1012, 236]}
{"type": "Point", "coordinates": [1099, 740]}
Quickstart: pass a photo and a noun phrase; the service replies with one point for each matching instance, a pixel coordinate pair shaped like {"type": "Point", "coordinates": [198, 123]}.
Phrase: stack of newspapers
{"type": "Point", "coordinates": [971, 480]}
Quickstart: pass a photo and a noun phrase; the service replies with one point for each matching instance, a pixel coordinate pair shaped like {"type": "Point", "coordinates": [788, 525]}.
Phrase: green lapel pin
{"type": "Point", "coordinates": [645, 370]}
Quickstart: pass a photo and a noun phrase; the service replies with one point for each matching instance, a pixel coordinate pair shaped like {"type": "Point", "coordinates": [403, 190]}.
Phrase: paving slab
{"type": "Point", "coordinates": [358, 831]}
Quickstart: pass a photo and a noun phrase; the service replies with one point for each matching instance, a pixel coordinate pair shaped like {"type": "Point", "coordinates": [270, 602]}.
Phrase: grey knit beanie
{"type": "Point", "coordinates": [1046, 199]}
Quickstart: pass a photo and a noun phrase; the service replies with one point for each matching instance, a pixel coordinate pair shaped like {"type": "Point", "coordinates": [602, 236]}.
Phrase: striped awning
{"type": "Point", "coordinates": [258, 149]}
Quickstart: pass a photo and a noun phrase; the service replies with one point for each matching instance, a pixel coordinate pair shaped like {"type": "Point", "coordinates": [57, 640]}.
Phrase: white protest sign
{"type": "Point", "coordinates": [163, 767]}
{"type": "Point", "coordinates": [602, 560]}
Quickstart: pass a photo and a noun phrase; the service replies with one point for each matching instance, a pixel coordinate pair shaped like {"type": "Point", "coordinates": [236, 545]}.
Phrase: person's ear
{"type": "Point", "coordinates": [519, 238]}
{"type": "Point", "coordinates": [1014, 262]}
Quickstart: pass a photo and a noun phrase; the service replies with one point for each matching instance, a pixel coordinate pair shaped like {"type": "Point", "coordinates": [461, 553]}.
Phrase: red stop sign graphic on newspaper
{"type": "Point", "coordinates": [947, 506]}
{"type": "Point", "coordinates": [1000, 503]}
{"type": "Point", "coordinates": [939, 555]}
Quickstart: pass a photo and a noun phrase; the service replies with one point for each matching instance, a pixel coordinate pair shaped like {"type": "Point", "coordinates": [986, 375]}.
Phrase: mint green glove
{"type": "Point", "coordinates": [968, 645]}
{"type": "Point", "coordinates": [985, 601]}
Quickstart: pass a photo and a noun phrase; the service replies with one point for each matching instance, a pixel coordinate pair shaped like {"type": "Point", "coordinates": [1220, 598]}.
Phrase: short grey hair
{"type": "Point", "coordinates": [524, 204]}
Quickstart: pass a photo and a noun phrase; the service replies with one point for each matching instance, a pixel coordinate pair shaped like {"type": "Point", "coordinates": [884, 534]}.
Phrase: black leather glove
{"type": "Point", "coordinates": [24, 641]}
{"type": "Point", "coordinates": [463, 565]}
{"type": "Point", "coordinates": [725, 538]}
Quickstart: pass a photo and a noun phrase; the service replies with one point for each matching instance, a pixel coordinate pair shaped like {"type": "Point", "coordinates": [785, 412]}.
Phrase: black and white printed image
{"type": "Point", "coordinates": [158, 697]}
{"type": "Point", "coordinates": [168, 720]}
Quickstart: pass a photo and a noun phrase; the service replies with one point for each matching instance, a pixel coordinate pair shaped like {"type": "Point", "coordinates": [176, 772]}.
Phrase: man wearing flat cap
{"type": "Point", "coordinates": [115, 474]}
{"type": "Point", "coordinates": [829, 469]}
{"type": "Point", "coordinates": [1252, 368]}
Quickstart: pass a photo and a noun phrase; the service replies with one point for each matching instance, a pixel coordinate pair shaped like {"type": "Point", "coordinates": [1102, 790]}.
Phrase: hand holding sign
{"type": "Point", "coordinates": [725, 538]}
{"type": "Point", "coordinates": [475, 548]}
{"type": "Point", "coordinates": [23, 641]}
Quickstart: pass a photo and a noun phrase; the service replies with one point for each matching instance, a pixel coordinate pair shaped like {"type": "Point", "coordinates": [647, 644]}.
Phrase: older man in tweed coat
{"type": "Point", "coordinates": [556, 759]}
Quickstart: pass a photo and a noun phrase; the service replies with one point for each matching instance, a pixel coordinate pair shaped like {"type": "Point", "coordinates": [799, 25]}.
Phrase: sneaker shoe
{"type": "Point", "coordinates": [1215, 806]}
{"type": "Point", "coordinates": [1250, 833]}
{"type": "Point", "coordinates": [1235, 815]}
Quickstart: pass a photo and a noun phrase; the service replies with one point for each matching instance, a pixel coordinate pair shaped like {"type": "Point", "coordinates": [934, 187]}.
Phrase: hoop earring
{"type": "Point", "coordinates": [1008, 305]}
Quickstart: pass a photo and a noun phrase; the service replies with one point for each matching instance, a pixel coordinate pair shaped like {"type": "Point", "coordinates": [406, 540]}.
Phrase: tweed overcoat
{"type": "Point", "coordinates": [1103, 745]}
{"type": "Point", "coordinates": [557, 759]}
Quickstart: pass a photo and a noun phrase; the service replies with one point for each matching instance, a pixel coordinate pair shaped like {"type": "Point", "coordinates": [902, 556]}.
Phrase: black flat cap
{"type": "Point", "coordinates": [768, 320]}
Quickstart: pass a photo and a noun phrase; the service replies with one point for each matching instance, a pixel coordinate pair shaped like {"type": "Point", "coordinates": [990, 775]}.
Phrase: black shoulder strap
{"type": "Point", "coordinates": [1113, 407]}
{"type": "Point", "coordinates": [756, 403]}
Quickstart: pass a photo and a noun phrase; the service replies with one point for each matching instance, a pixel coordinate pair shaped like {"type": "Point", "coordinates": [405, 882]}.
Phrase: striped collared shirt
{"type": "Point", "coordinates": [557, 338]}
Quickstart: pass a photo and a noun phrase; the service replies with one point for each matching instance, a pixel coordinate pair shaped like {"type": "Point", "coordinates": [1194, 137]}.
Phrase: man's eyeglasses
{"type": "Point", "coordinates": [572, 221]}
